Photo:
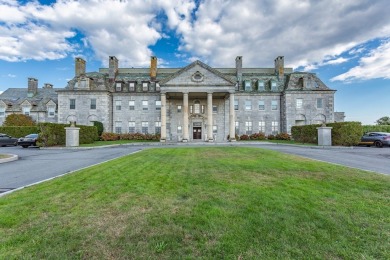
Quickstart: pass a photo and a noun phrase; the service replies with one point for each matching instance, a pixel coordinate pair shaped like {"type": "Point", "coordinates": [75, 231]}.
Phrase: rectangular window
{"type": "Point", "coordinates": [179, 129]}
{"type": "Point", "coordinates": [131, 105]}
{"type": "Point", "coordinates": [158, 105]}
{"type": "Point", "coordinates": [179, 109]}
{"type": "Point", "coordinates": [260, 86]}
{"type": "Point", "coordinates": [51, 111]}
{"type": "Point", "coordinates": [273, 86]}
{"type": "Point", "coordinates": [191, 109]}
{"type": "Point", "coordinates": [118, 86]}
{"type": "Point", "coordinates": [215, 129]}
{"type": "Point", "coordinates": [118, 105]}
{"type": "Point", "coordinates": [248, 105]}
{"type": "Point", "coordinates": [197, 108]}
{"type": "Point", "coordinates": [2, 111]}
{"type": "Point", "coordinates": [157, 128]}
{"type": "Point", "coordinates": [118, 127]}
{"type": "Point", "coordinates": [26, 111]}
{"type": "Point", "coordinates": [275, 127]}
{"type": "Point", "coordinates": [144, 105]}
{"type": "Point", "coordinates": [93, 103]}
{"type": "Point", "coordinates": [132, 86]}
{"type": "Point", "coordinates": [131, 127]}
{"type": "Point", "coordinates": [262, 126]}
{"type": "Point", "coordinates": [158, 87]}
{"type": "Point", "coordinates": [237, 126]}
{"type": "Point", "coordinates": [248, 86]}
{"type": "Point", "coordinates": [145, 127]}
{"type": "Point", "coordinates": [261, 105]}
{"type": "Point", "coordinates": [145, 86]}
{"type": "Point", "coordinates": [235, 104]}
{"type": "Point", "coordinates": [320, 102]}
{"type": "Point", "coordinates": [215, 109]}
{"type": "Point", "coordinates": [248, 128]}
{"type": "Point", "coordinates": [299, 103]}
{"type": "Point", "coordinates": [274, 105]}
{"type": "Point", "coordinates": [72, 103]}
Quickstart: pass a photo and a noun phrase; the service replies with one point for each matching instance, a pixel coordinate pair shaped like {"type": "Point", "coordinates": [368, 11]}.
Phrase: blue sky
{"type": "Point", "coordinates": [347, 43]}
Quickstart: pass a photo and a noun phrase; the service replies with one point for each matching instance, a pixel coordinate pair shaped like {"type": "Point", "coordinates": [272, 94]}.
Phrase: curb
{"type": "Point", "coordinates": [10, 158]}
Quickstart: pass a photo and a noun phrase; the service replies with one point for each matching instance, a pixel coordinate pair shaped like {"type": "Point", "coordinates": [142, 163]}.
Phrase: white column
{"type": "Point", "coordinates": [185, 117]}
{"type": "Point", "coordinates": [232, 126]}
{"type": "Point", "coordinates": [163, 137]}
{"type": "Point", "coordinates": [210, 117]}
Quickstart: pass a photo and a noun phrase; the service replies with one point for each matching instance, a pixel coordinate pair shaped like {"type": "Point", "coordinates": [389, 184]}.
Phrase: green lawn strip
{"type": "Point", "coordinates": [102, 143]}
{"type": "Point", "coordinates": [3, 156]}
{"type": "Point", "coordinates": [228, 202]}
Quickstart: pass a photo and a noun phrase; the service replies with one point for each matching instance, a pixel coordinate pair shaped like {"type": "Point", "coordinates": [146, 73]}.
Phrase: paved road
{"type": "Point", "coordinates": [36, 165]}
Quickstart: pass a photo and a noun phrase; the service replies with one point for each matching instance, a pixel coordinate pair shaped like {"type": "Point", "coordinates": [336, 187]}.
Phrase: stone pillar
{"type": "Point", "coordinates": [72, 136]}
{"type": "Point", "coordinates": [210, 117]}
{"type": "Point", "coordinates": [163, 133]}
{"type": "Point", "coordinates": [232, 126]}
{"type": "Point", "coordinates": [185, 117]}
{"type": "Point", "coordinates": [324, 136]}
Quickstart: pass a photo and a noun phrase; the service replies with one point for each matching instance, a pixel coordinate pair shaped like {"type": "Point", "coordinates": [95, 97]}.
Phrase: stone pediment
{"type": "Point", "coordinates": [197, 74]}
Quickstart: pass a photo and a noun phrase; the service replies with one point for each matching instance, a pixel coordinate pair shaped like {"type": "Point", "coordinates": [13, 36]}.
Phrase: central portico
{"type": "Point", "coordinates": [197, 104]}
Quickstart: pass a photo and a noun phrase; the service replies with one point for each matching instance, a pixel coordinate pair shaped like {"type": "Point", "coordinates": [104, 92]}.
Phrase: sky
{"type": "Point", "coordinates": [345, 42]}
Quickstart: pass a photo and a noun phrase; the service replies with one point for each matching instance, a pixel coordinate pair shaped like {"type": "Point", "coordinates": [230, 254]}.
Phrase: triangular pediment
{"type": "Point", "coordinates": [25, 103]}
{"type": "Point", "coordinates": [51, 103]}
{"type": "Point", "coordinates": [197, 74]}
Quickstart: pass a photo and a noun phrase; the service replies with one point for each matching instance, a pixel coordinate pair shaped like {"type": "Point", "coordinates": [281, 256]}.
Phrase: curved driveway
{"type": "Point", "coordinates": [35, 165]}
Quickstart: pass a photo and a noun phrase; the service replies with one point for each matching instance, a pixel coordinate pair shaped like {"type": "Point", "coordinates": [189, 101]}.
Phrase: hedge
{"type": "Point", "coordinates": [376, 128]}
{"type": "Point", "coordinates": [18, 131]}
{"type": "Point", "coordinates": [55, 134]}
{"type": "Point", "coordinates": [130, 136]}
{"type": "Point", "coordinates": [343, 133]}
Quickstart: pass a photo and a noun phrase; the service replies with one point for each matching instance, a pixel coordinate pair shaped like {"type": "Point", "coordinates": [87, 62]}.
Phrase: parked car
{"type": "Point", "coordinates": [379, 139]}
{"type": "Point", "coordinates": [28, 140]}
{"type": "Point", "coordinates": [8, 140]}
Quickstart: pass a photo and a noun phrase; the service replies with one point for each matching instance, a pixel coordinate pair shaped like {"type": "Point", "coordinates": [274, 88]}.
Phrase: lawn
{"type": "Point", "coordinates": [201, 203]}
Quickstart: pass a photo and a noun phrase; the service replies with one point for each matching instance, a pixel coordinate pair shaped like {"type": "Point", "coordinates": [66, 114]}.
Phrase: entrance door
{"type": "Point", "coordinates": [197, 133]}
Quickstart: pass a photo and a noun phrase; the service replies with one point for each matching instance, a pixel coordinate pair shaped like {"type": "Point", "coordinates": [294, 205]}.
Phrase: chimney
{"type": "Point", "coordinates": [113, 67]}
{"type": "Point", "coordinates": [239, 70]}
{"type": "Point", "coordinates": [48, 85]}
{"type": "Point", "coordinates": [32, 88]}
{"type": "Point", "coordinates": [153, 68]}
{"type": "Point", "coordinates": [80, 67]}
{"type": "Point", "coordinates": [279, 67]}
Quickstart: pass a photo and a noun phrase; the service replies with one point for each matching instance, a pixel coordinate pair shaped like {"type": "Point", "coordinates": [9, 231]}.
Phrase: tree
{"type": "Point", "coordinates": [18, 120]}
{"type": "Point", "coordinates": [383, 121]}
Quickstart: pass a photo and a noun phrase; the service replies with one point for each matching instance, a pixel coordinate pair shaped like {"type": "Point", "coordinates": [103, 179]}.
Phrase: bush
{"type": "Point", "coordinates": [99, 126]}
{"type": "Point", "coordinates": [130, 136]}
{"type": "Point", "coordinates": [235, 135]}
{"type": "Point", "coordinates": [18, 120]}
{"type": "Point", "coordinates": [376, 128]}
{"type": "Point", "coordinates": [282, 136]}
{"type": "Point", "coordinates": [271, 137]}
{"type": "Point", "coordinates": [257, 136]}
{"type": "Point", "coordinates": [18, 131]}
{"type": "Point", "coordinates": [244, 137]}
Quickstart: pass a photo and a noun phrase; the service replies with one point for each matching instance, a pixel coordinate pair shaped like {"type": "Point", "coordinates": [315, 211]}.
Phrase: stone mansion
{"type": "Point", "coordinates": [194, 103]}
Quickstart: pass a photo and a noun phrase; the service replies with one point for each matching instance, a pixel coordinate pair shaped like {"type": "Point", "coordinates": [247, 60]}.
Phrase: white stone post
{"type": "Point", "coordinates": [185, 118]}
{"type": "Point", "coordinates": [324, 136]}
{"type": "Point", "coordinates": [210, 117]}
{"type": "Point", "coordinates": [163, 132]}
{"type": "Point", "coordinates": [232, 126]}
{"type": "Point", "coordinates": [72, 136]}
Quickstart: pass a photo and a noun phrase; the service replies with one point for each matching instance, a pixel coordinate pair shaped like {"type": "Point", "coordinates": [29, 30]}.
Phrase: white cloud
{"type": "Point", "coordinates": [375, 65]}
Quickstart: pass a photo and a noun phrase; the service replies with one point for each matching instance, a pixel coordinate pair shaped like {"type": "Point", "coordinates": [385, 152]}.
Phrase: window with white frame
{"type": "Point", "coordinates": [179, 129]}
{"type": "Point", "coordinates": [197, 107]}
{"type": "Point", "coordinates": [274, 105]}
{"type": "Point", "coordinates": [262, 126]}
{"type": "Point", "coordinates": [215, 109]}
{"type": "Point", "coordinates": [131, 104]}
{"type": "Point", "coordinates": [72, 103]}
{"type": "Point", "coordinates": [51, 111]}
{"type": "Point", "coordinates": [248, 85]}
{"type": "Point", "coordinates": [275, 127]}
{"type": "Point", "coordinates": [93, 103]}
{"type": "Point", "coordinates": [118, 86]}
{"type": "Point", "coordinates": [299, 103]}
{"type": "Point", "coordinates": [145, 104]}
{"type": "Point", "coordinates": [248, 105]}
{"type": "Point", "coordinates": [261, 105]}
{"type": "Point", "coordinates": [118, 104]}
{"type": "Point", "coordinates": [273, 86]}
{"type": "Point", "coordinates": [248, 128]}
{"type": "Point", "coordinates": [145, 127]}
{"type": "Point", "coordinates": [237, 127]}
{"type": "Point", "coordinates": [118, 127]}
{"type": "Point", "coordinates": [26, 111]}
{"type": "Point", "coordinates": [158, 87]}
{"type": "Point", "coordinates": [2, 111]}
{"type": "Point", "coordinates": [145, 86]}
{"type": "Point", "coordinates": [132, 86]}
{"type": "Point", "coordinates": [157, 127]}
{"type": "Point", "coordinates": [158, 105]}
{"type": "Point", "coordinates": [179, 109]}
{"type": "Point", "coordinates": [320, 102]}
{"type": "Point", "coordinates": [215, 129]}
{"type": "Point", "coordinates": [131, 126]}
{"type": "Point", "coordinates": [260, 86]}
{"type": "Point", "coordinates": [235, 104]}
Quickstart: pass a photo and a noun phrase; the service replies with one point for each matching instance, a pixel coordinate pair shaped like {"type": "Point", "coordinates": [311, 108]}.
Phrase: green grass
{"type": "Point", "coordinates": [201, 203]}
{"type": "Point", "coordinates": [3, 156]}
{"type": "Point", "coordinates": [102, 143]}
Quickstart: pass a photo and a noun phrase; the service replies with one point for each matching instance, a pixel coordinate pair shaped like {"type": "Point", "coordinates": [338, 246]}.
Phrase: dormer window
{"type": "Point", "coordinates": [118, 86]}
{"type": "Point", "coordinates": [132, 86]}
{"type": "Point", "coordinates": [145, 86]}
{"type": "Point", "coordinates": [248, 86]}
{"type": "Point", "coordinates": [26, 111]}
{"type": "Point", "coordinates": [260, 86]}
{"type": "Point", "coordinates": [273, 86]}
{"type": "Point", "coordinates": [51, 111]}
{"type": "Point", "coordinates": [158, 87]}
{"type": "Point", "coordinates": [2, 111]}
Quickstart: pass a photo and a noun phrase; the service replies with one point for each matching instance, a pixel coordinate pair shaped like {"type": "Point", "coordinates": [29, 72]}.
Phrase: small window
{"type": "Point", "coordinates": [197, 107]}
{"type": "Point", "coordinates": [237, 127]}
{"type": "Point", "coordinates": [145, 127]}
{"type": "Point", "coordinates": [320, 102]}
{"type": "Point", "coordinates": [248, 86]}
{"type": "Point", "coordinates": [131, 127]}
{"type": "Point", "coordinates": [158, 87]}
{"type": "Point", "coordinates": [179, 109]}
{"type": "Point", "coordinates": [145, 86]}
{"type": "Point", "coordinates": [131, 105]}
{"type": "Point", "coordinates": [248, 128]}
{"type": "Point", "coordinates": [275, 127]}
{"type": "Point", "coordinates": [248, 105]}
{"type": "Point", "coordinates": [179, 129]}
{"type": "Point", "coordinates": [93, 103]}
{"type": "Point", "coordinates": [51, 111]}
{"type": "Point", "coordinates": [72, 103]}
{"type": "Point", "coordinates": [2, 111]}
{"type": "Point", "coordinates": [262, 127]}
{"type": "Point", "coordinates": [26, 111]}
{"type": "Point", "coordinates": [235, 104]}
{"type": "Point", "coordinates": [260, 86]}
{"type": "Point", "coordinates": [118, 86]}
{"type": "Point", "coordinates": [215, 129]}
{"type": "Point", "coordinates": [273, 86]}
{"type": "Point", "coordinates": [132, 86]}
{"type": "Point", "coordinates": [158, 105]}
{"type": "Point", "coordinates": [118, 127]}
{"type": "Point", "coordinates": [157, 129]}
{"type": "Point", "coordinates": [215, 109]}
{"type": "Point", "coordinates": [261, 105]}
{"type": "Point", "coordinates": [118, 105]}
{"type": "Point", "coordinates": [274, 105]}
{"type": "Point", "coordinates": [299, 103]}
{"type": "Point", "coordinates": [145, 105]}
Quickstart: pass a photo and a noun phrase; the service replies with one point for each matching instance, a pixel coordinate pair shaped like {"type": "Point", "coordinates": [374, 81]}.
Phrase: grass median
{"type": "Point", "coordinates": [215, 202]}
